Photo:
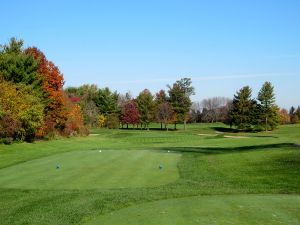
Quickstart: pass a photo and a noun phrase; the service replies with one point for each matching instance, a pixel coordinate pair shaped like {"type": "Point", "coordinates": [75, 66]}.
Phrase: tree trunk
{"type": "Point", "coordinates": [127, 125]}
{"type": "Point", "coordinates": [175, 126]}
{"type": "Point", "coordinates": [184, 124]}
{"type": "Point", "coordinates": [266, 124]}
{"type": "Point", "coordinates": [160, 125]}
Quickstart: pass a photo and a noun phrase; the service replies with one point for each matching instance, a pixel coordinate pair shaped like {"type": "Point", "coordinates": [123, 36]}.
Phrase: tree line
{"type": "Point", "coordinates": [244, 112]}
{"type": "Point", "coordinates": [32, 101]}
{"type": "Point", "coordinates": [104, 108]}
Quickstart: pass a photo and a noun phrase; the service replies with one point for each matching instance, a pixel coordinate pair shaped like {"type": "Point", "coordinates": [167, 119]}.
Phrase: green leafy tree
{"type": "Point", "coordinates": [268, 111]}
{"type": "Point", "coordinates": [243, 109]}
{"type": "Point", "coordinates": [146, 107]}
{"type": "Point", "coordinates": [179, 96]}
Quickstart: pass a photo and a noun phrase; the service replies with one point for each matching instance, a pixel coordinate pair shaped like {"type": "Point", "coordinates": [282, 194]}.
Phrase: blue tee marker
{"type": "Point", "coordinates": [161, 167]}
{"type": "Point", "coordinates": [57, 166]}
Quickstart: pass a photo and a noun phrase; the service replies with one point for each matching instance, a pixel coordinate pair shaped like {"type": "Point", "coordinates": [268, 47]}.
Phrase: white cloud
{"type": "Point", "coordinates": [204, 78]}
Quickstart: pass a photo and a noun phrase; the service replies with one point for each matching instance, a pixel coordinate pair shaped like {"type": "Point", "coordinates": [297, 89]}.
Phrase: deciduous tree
{"type": "Point", "coordinates": [130, 113]}
{"type": "Point", "coordinates": [179, 95]}
{"type": "Point", "coordinates": [284, 116]}
{"type": "Point", "coordinates": [165, 113]}
{"type": "Point", "coordinates": [146, 107]}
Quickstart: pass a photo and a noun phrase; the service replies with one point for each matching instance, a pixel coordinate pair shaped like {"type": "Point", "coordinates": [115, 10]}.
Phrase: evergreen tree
{"type": "Point", "coordinates": [268, 111]}
{"type": "Point", "coordinates": [17, 66]}
{"type": "Point", "coordinates": [106, 101]}
{"type": "Point", "coordinates": [243, 109]}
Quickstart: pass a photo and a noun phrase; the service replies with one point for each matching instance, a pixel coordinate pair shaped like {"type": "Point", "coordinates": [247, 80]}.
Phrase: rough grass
{"type": "Point", "coordinates": [266, 163]}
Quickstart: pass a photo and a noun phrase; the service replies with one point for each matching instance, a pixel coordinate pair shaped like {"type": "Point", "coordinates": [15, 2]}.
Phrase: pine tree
{"type": "Point", "coordinates": [268, 111]}
{"type": "Point", "coordinates": [243, 109]}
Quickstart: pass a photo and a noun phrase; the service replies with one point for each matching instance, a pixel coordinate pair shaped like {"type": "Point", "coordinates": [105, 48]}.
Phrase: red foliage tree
{"type": "Point", "coordinates": [57, 110]}
{"type": "Point", "coordinates": [130, 113]}
{"type": "Point", "coordinates": [8, 128]}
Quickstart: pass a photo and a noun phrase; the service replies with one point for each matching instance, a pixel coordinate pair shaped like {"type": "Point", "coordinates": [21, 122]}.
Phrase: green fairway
{"type": "Point", "coordinates": [92, 170]}
{"type": "Point", "coordinates": [210, 175]}
{"type": "Point", "coordinates": [225, 210]}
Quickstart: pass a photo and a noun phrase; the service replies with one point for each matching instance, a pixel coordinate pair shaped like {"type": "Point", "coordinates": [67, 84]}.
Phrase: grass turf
{"type": "Point", "coordinates": [93, 170]}
{"type": "Point", "coordinates": [226, 210]}
{"type": "Point", "coordinates": [262, 163]}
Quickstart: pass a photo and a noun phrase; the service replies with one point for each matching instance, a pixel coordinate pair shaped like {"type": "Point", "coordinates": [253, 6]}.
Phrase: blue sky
{"type": "Point", "coordinates": [132, 45]}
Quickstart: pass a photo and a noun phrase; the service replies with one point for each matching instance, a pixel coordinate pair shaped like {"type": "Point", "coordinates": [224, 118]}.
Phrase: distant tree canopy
{"type": "Point", "coordinates": [101, 104]}
{"type": "Point", "coordinates": [94, 102]}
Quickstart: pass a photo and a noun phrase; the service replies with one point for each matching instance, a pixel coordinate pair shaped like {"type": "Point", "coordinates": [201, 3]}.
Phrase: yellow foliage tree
{"type": "Point", "coordinates": [102, 120]}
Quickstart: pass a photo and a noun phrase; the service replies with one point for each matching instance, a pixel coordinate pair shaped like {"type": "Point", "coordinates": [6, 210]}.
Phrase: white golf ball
{"type": "Point", "coordinates": [100, 151]}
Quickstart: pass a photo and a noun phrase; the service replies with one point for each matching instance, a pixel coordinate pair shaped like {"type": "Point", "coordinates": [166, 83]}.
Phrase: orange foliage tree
{"type": "Point", "coordinates": [58, 107]}
{"type": "Point", "coordinates": [284, 117]}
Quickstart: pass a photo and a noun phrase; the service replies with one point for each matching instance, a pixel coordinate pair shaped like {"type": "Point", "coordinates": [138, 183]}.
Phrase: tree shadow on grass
{"type": "Point", "coordinates": [220, 150]}
{"type": "Point", "coordinates": [150, 129]}
{"type": "Point", "coordinates": [226, 130]}
{"type": "Point", "coordinates": [233, 130]}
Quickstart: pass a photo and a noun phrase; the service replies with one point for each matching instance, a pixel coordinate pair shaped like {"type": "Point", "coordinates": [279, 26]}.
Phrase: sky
{"type": "Point", "coordinates": [132, 45]}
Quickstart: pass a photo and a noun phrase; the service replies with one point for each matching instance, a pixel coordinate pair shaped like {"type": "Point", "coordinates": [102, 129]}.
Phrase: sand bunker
{"type": "Point", "coordinates": [208, 135]}
{"type": "Point", "coordinates": [228, 136]}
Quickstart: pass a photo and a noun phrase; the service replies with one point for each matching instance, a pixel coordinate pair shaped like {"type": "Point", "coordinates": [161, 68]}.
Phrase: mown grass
{"type": "Point", "coordinates": [225, 210]}
{"type": "Point", "coordinates": [262, 163]}
{"type": "Point", "coordinates": [97, 169]}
